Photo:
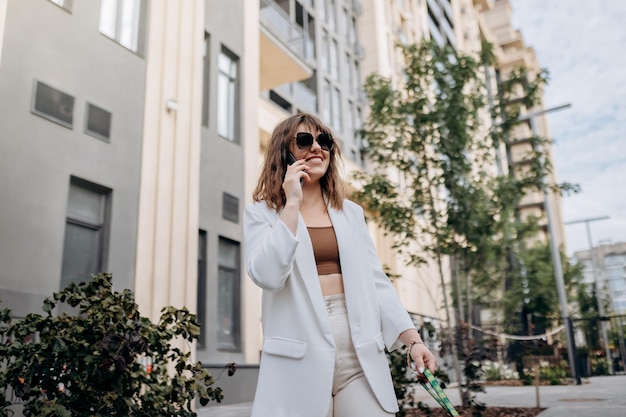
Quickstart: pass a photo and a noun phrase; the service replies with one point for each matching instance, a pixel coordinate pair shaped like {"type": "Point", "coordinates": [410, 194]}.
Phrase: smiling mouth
{"type": "Point", "coordinates": [314, 158]}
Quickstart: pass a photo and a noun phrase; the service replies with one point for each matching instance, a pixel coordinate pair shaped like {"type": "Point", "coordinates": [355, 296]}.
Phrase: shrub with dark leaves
{"type": "Point", "coordinates": [104, 359]}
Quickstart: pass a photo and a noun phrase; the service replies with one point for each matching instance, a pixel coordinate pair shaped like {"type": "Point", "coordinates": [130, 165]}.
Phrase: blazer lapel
{"type": "Point", "coordinates": [305, 262]}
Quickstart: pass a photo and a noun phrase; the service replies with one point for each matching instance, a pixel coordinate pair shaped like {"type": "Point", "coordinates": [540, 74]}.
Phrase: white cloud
{"type": "Point", "coordinates": [583, 46]}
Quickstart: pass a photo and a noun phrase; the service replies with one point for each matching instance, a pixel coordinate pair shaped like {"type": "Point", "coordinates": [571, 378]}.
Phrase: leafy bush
{"type": "Point", "coordinates": [599, 366]}
{"type": "Point", "coordinates": [551, 373]}
{"type": "Point", "coordinates": [495, 372]}
{"type": "Point", "coordinates": [404, 380]}
{"type": "Point", "coordinates": [405, 383]}
{"type": "Point", "coordinates": [105, 359]}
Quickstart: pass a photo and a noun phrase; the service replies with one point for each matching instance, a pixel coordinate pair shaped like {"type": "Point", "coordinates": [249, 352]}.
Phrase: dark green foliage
{"type": "Point", "coordinates": [552, 374]}
{"type": "Point", "coordinates": [404, 381]}
{"type": "Point", "coordinates": [532, 304]}
{"type": "Point", "coordinates": [474, 354]}
{"type": "Point", "coordinates": [535, 293]}
{"type": "Point", "coordinates": [94, 362]}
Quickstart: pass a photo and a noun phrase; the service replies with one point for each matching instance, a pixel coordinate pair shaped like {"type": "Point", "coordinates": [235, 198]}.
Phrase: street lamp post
{"type": "Point", "coordinates": [599, 286]}
{"type": "Point", "coordinates": [556, 256]}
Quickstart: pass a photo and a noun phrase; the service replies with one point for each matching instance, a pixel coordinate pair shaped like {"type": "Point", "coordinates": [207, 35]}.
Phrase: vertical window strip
{"type": "Point", "coordinates": [228, 297]}
{"type": "Point", "coordinates": [206, 79]}
{"type": "Point", "coordinates": [227, 94]}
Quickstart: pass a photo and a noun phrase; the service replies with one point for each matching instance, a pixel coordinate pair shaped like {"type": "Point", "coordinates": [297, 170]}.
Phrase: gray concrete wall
{"type": "Point", "coordinates": [221, 166]}
{"type": "Point", "coordinates": [64, 50]}
{"type": "Point", "coordinates": [240, 387]}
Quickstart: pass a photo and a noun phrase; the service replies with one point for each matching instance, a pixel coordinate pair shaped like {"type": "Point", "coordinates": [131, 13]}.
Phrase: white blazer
{"type": "Point", "coordinates": [298, 356]}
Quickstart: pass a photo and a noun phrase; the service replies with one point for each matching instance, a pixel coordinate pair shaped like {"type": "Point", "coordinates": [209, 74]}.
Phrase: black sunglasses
{"type": "Point", "coordinates": [304, 140]}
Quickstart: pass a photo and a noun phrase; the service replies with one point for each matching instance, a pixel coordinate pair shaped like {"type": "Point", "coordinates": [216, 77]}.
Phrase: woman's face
{"type": "Point", "coordinates": [317, 159]}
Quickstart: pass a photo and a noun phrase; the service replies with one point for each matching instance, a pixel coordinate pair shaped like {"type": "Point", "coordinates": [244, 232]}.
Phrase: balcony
{"type": "Point", "coordinates": [284, 48]}
{"type": "Point", "coordinates": [483, 5]}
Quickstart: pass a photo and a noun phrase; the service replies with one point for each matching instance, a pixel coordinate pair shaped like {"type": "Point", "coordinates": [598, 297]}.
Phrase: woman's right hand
{"type": "Point", "coordinates": [292, 185]}
{"type": "Point", "coordinates": [293, 194]}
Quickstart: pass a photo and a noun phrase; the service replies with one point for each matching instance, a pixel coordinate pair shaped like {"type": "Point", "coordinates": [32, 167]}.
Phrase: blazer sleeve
{"type": "Point", "coordinates": [269, 247]}
{"type": "Point", "coordinates": [394, 317]}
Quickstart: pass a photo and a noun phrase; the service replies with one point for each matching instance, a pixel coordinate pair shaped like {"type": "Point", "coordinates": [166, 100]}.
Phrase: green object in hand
{"type": "Point", "coordinates": [432, 386]}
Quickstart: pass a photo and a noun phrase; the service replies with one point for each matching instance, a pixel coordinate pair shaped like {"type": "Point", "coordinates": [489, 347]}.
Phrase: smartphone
{"type": "Point", "coordinates": [290, 160]}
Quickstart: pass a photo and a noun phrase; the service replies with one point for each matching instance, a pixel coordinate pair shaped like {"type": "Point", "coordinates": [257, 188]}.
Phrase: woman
{"type": "Point", "coordinates": [328, 308]}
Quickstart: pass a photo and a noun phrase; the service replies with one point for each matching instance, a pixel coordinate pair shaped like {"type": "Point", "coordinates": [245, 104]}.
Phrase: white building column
{"type": "Point", "coordinates": [167, 238]}
{"type": "Point", "coordinates": [3, 18]}
{"type": "Point", "coordinates": [251, 294]}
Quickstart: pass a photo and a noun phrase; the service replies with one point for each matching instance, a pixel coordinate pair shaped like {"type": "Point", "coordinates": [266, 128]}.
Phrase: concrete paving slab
{"type": "Point", "coordinates": [596, 397]}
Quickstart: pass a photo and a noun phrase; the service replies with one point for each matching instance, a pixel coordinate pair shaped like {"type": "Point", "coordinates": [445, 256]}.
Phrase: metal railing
{"type": "Point", "coordinates": [273, 18]}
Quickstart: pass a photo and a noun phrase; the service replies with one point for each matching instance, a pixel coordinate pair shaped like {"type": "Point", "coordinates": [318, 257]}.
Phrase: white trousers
{"type": "Point", "coordinates": [352, 394]}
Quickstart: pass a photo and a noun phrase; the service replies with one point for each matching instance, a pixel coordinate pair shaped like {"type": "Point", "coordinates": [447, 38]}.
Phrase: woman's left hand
{"type": "Point", "coordinates": [423, 358]}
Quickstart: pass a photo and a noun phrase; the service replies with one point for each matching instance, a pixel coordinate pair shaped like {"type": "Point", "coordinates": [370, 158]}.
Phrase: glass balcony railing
{"type": "Point", "coordinates": [274, 19]}
{"type": "Point", "coordinates": [305, 97]}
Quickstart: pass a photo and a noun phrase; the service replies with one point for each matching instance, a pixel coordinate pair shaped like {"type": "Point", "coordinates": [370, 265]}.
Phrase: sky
{"type": "Point", "coordinates": [582, 44]}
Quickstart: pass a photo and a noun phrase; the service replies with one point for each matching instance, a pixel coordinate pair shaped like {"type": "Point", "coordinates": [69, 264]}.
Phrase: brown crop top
{"type": "Point", "coordinates": [325, 250]}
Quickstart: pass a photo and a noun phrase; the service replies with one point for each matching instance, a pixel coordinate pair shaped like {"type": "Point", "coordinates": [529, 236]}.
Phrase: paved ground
{"type": "Point", "coordinates": [596, 397]}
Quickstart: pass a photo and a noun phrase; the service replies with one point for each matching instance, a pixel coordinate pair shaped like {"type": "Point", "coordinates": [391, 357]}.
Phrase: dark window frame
{"type": "Point", "coordinates": [50, 117]}
{"type": "Point", "coordinates": [236, 298]}
{"type": "Point", "coordinates": [103, 228]}
{"type": "Point", "coordinates": [236, 80]}
{"type": "Point", "coordinates": [201, 308]}
{"type": "Point", "coordinates": [230, 200]}
{"type": "Point", "coordinates": [95, 134]}
{"type": "Point", "coordinates": [206, 80]}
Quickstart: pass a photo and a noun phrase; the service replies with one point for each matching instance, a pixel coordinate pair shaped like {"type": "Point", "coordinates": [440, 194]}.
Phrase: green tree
{"type": "Point", "coordinates": [537, 293]}
{"type": "Point", "coordinates": [432, 182]}
{"type": "Point", "coordinates": [104, 359]}
{"type": "Point", "coordinates": [532, 305]}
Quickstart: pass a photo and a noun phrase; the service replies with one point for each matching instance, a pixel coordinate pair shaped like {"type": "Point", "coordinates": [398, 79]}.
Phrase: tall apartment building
{"type": "Point", "coordinates": [605, 269]}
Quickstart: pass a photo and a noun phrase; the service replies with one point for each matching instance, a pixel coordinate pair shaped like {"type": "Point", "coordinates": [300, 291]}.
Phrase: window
{"type": "Point", "coordinates": [228, 301]}
{"type": "Point", "coordinates": [66, 4]}
{"type": "Point", "coordinates": [324, 52]}
{"type": "Point", "coordinates": [201, 300]}
{"type": "Point", "coordinates": [351, 32]}
{"type": "Point", "coordinates": [337, 110]}
{"type": "Point", "coordinates": [86, 231]}
{"type": "Point", "coordinates": [98, 122]}
{"type": "Point", "coordinates": [230, 208]}
{"type": "Point", "coordinates": [124, 21]}
{"type": "Point", "coordinates": [334, 60]}
{"type": "Point", "coordinates": [332, 16]}
{"type": "Point", "coordinates": [53, 104]}
{"type": "Point", "coordinates": [350, 134]}
{"type": "Point", "coordinates": [356, 77]}
{"type": "Point", "coordinates": [227, 102]}
{"type": "Point", "coordinates": [326, 106]}
{"type": "Point", "coordinates": [280, 100]}
{"type": "Point", "coordinates": [344, 24]}
{"type": "Point", "coordinates": [206, 80]}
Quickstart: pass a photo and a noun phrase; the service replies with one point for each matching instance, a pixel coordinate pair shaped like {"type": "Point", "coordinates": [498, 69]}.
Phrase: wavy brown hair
{"type": "Point", "coordinates": [269, 187]}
